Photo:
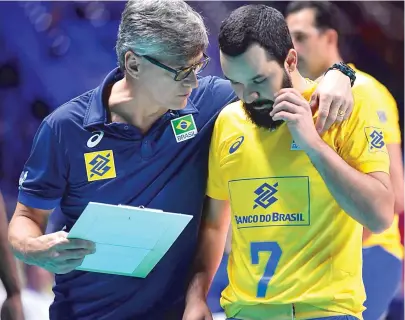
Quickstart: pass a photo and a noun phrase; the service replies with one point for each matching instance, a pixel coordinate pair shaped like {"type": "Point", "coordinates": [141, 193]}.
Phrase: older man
{"type": "Point", "coordinates": [150, 121]}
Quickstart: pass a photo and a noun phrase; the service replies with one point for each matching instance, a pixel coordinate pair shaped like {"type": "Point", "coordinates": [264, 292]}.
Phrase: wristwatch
{"type": "Point", "coordinates": [345, 69]}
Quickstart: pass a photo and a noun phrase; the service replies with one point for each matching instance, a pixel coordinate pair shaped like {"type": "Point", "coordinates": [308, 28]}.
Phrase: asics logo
{"type": "Point", "coordinates": [95, 139]}
{"type": "Point", "coordinates": [235, 146]}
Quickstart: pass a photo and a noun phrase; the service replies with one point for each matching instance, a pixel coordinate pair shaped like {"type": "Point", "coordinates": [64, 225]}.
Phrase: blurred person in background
{"type": "Point", "coordinates": [11, 308]}
{"type": "Point", "coordinates": [140, 138]}
{"type": "Point", "coordinates": [298, 199]}
{"type": "Point", "coordinates": [314, 28]}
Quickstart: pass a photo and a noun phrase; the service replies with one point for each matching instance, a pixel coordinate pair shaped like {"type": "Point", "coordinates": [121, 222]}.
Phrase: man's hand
{"type": "Point", "coordinates": [197, 310]}
{"type": "Point", "coordinates": [291, 107]}
{"type": "Point", "coordinates": [334, 99]}
{"type": "Point", "coordinates": [12, 308]}
{"type": "Point", "coordinates": [57, 254]}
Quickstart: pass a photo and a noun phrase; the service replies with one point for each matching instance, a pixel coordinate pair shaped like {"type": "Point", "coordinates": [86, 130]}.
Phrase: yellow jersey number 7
{"type": "Point", "coordinates": [271, 266]}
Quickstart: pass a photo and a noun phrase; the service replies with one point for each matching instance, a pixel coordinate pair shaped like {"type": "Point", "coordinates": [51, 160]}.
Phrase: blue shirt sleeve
{"type": "Point", "coordinates": [222, 91]}
{"type": "Point", "coordinates": [44, 177]}
{"type": "Point", "coordinates": [213, 94]}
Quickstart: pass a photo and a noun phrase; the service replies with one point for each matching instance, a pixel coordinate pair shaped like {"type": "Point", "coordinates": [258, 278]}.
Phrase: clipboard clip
{"type": "Point", "coordinates": [140, 207]}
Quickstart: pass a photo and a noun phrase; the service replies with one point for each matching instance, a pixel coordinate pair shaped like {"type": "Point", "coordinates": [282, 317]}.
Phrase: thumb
{"type": "Point", "coordinates": [61, 235]}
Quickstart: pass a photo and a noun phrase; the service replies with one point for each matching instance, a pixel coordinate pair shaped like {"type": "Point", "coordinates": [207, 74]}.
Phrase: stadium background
{"type": "Point", "coordinates": [51, 52]}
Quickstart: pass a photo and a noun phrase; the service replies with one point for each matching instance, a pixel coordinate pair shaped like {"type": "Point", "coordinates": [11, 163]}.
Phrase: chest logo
{"type": "Point", "coordinates": [95, 139]}
{"type": "Point", "coordinates": [184, 128]}
{"type": "Point", "coordinates": [100, 165]}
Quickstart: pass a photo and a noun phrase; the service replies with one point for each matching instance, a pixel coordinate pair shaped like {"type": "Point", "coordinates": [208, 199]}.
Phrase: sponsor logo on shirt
{"type": "Point", "coordinates": [95, 139]}
{"type": "Point", "coordinates": [295, 146]}
{"type": "Point", "coordinates": [100, 165]}
{"type": "Point", "coordinates": [375, 138]}
{"type": "Point", "coordinates": [235, 146]}
{"type": "Point", "coordinates": [271, 201]}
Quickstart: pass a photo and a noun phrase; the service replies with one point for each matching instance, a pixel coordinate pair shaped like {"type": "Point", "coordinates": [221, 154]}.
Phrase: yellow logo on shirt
{"type": "Point", "coordinates": [100, 165]}
{"type": "Point", "coordinates": [375, 138]}
{"type": "Point", "coordinates": [273, 201]}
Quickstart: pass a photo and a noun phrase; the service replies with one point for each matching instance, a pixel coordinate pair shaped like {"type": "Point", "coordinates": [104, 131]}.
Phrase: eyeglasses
{"type": "Point", "coordinates": [181, 74]}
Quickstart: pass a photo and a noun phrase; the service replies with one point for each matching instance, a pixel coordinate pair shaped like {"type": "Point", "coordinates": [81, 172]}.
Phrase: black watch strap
{"type": "Point", "coordinates": [345, 69]}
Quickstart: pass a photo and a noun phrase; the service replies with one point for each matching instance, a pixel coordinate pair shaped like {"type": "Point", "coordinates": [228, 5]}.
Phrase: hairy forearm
{"type": "Point", "coordinates": [23, 233]}
{"type": "Point", "coordinates": [209, 255]}
{"type": "Point", "coordinates": [8, 266]}
{"type": "Point", "coordinates": [363, 197]}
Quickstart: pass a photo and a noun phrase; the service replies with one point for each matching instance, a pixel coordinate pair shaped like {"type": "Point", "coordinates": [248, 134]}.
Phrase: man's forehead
{"type": "Point", "coordinates": [304, 18]}
{"type": "Point", "coordinates": [246, 67]}
{"type": "Point", "coordinates": [181, 61]}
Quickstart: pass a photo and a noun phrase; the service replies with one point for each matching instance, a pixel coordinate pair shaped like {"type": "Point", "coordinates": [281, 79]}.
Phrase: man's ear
{"type": "Point", "coordinates": [290, 62]}
{"type": "Point", "coordinates": [132, 64]}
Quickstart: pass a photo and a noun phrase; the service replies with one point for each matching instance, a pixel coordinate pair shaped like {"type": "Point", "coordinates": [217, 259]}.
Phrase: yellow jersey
{"type": "Point", "coordinates": [295, 252]}
{"type": "Point", "coordinates": [377, 96]}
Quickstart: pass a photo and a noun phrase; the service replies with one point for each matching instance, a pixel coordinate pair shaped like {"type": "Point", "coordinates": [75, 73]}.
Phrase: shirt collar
{"type": "Point", "coordinates": [96, 112]}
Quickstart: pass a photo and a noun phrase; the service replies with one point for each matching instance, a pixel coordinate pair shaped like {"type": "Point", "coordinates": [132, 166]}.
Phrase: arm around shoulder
{"type": "Point", "coordinates": [357, 174]}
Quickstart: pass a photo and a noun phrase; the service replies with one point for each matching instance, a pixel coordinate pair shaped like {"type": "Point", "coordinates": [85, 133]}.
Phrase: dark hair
{"type": "Point", "coordinates": [259, 24]}
{"type": "Point", "coordinates": [327, 15]}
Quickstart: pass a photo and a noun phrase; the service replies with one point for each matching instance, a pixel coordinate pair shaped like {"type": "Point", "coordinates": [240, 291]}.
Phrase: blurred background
{"type": "Point", "coordinates": [51, 52]}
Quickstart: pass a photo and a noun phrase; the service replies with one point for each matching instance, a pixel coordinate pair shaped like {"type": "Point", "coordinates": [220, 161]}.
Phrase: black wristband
{"type": "Point", "coordinates": [345, 69]}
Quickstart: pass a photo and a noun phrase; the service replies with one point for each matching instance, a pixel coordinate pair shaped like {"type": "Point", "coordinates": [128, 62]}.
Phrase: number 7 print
{"type": "Point", "coordinates": [275, 255]}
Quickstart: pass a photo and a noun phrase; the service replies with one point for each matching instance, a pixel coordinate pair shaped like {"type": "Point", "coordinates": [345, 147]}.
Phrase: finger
{"type": "Point", "coordinates": [341, 113]}
{"type": "Point", "coordinates": [65, 269]}
{"type": "Point", "coordinates": [290, 97]}
{"type": "Point", "coordinates": [67, 266]}
{"type": "Point", "coordinates": [74, 263]}
{"type": "Point", "coordinates": [61, 234]}
{"type": "Point", "coordinates": [285, 116]}
{"type": "Point", "coordinates": [57, 241]}
{"type": "Point", "coordinates": [349, 109]}
{"type": "Point", "coordinates": [325, 102]}
{"type": "Point", "coordinates": [76, 244]}
{"type": "Point", "coordinates": [289, 90]}
{"type": "Point", "coordinates": [284, 106]}
{"type": "Point", "coordinates": [333, 114]}
{"type": "Point", "coordinates": [72, 254]}
{"type": "Point", "coordinates": [314, 102]}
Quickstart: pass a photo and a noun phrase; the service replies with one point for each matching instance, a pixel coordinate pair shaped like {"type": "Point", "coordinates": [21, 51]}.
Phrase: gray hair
{"type": "Point", "coordinates": [168, 28]}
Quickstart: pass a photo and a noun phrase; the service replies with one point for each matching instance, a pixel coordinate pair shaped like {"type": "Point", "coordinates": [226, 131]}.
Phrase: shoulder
{"type": "Point", "coordinates": [371, 91]}
{"type": "Point", "coordinates": [212, 92]}
{"type": "Point", "coordinates": [233, 112]}
{"type": "Point", "coordinates": [72, 112]}
{"type": "Point", "coordinates": [231, 121]}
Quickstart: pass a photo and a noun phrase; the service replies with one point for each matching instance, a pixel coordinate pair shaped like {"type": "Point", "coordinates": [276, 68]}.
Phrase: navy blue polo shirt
{"type": "Point", "coordinates": [78, 157]}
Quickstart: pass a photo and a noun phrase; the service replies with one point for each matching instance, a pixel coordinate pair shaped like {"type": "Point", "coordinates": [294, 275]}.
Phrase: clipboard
{"type": "Point", "coordinates": [130, 241]}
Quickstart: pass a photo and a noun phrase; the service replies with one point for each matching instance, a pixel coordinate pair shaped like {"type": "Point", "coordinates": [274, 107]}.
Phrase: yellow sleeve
{"type": "Point", "coordinates": [361, 140]}
{"type": "Point", "coordinates": [387, 113]}
{"type": "Point", "coordinates": [216, 188]}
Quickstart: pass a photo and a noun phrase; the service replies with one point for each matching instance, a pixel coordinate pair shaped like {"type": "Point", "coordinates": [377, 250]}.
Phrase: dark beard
{"type": "Point", "coordinates": [259, 111]}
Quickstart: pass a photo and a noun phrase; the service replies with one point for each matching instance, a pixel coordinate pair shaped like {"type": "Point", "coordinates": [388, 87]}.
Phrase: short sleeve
{"type": "Point", "coordinates": [216, 188]}
{"type": "Point", "coordinates": [387, 112]}
{"type": "Point", "coordinates": [362, 142]}
{"type": "Point", "coordinates": [222, 92]}
{"type": "Point", "coordinates": [44, 177]}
